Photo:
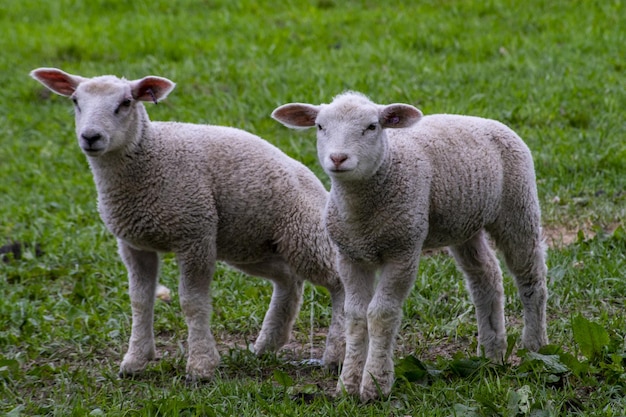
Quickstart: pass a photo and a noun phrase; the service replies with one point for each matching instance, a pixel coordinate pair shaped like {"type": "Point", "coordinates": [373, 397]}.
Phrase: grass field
{"type": "Point", "coordinates": [553, 71]}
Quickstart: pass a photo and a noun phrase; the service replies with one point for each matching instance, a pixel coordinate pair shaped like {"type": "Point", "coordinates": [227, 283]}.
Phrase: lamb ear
{"type": "Point", "coordinates": [151, 88]}
{"type": "Point", "coordinates": [57, 81]}
{"type": "Point", "coordinates": [296, 115]}
{"type": "Point", "coordinates": [399, 115]}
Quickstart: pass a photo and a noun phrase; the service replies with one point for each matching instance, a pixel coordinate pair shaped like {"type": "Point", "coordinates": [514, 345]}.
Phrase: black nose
{"type": "Point", "coordinates": [91, 138]}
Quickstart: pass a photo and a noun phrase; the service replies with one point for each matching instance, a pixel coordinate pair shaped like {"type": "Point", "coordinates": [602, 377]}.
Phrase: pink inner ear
{"type": "Point", "coordinates": [151, 89]}
{"type": "Point", "coordinates": [146, 93]}
{"type": "Point", "coordinates": [394, 120]}
{"type": "Point", "coordinates": [151, 93]}
{"type": "Point", "coordinates": [56, 80]}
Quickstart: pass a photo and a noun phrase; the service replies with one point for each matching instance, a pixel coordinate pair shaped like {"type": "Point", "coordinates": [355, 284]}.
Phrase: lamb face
{"type": "Point", "coordinates": [105, 112]}
{"type": "Point", "coordinates": [351, 141]}
{"type": "Point", "coordinates": [349, 148]}
{"type": "Point", "coordinates": [107, 108]}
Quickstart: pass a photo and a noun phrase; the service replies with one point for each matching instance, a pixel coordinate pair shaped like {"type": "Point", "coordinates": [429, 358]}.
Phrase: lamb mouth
{"type": "Point", "coordinates": [92, 151]}
{"type": "Point", "coordinates": [340, 170]}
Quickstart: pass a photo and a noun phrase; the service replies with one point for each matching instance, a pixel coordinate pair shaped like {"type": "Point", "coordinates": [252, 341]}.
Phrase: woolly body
{"type": "Point", "coordinates": [403, 182]}
{"type": "Point", "coordinates": [206, 193]}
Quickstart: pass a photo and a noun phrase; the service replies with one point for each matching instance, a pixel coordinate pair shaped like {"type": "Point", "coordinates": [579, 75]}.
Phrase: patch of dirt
{"type": "Point", "coordinates": [560, 236]}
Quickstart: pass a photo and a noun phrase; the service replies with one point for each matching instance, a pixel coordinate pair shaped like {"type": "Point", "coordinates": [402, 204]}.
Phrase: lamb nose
{"type": "Point", "coordinates": [338, 158]}
{"type": "Point", "coordinates": [91, 138]}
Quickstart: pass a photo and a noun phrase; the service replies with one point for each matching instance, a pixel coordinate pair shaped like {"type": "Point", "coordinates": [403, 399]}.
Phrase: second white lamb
{"type": "Point", "coordinates": [402, 182]}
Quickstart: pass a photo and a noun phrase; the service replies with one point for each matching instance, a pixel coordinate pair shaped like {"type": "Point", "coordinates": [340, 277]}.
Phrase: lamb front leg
{"type": "Point", "coordinates": [383, 321]}
{"type": "Point", "coordinates": [196, 270]}
{"type": "Point", "coordinates": [358, 283]}
{"type": "Point", "coordinates": [143, 270]}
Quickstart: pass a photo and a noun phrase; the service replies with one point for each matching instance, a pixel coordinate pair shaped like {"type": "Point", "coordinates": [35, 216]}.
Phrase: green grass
{"type": "Point", "coordinates": [553, 71]}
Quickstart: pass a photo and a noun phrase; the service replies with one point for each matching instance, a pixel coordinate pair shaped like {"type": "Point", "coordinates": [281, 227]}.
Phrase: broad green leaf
{"type": "Point", "coordinates": [552, 363]}
{"type": "Point", "coordinates": [519, 401]}
{"type": "Point", "coordinates": [577, 367]}
{"type": "Point", "coordinates": [461, 410]}
{"type": "Point", "coordinates": [412, 369]}
{"type": "Point", "coordinates": [465, 367]}
{"type": "Point", "coordinates": [283, 378]}
{"type": "Point", "coordinates": [590, 337]}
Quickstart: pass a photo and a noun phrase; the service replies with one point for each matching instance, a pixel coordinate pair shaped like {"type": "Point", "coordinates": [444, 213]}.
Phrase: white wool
{"type": "Point", "coordinates": [403, 182]}
{"type": "Point", "coordinates": [205, 193]}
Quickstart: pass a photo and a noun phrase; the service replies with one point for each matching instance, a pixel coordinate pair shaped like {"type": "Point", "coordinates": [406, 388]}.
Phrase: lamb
{"type": "Point", "coordinates": [205, 193]}
{"type": "Point", "coordinates": [402, 182]}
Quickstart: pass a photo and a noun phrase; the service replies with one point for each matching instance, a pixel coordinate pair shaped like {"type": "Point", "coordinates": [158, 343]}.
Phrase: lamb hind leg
{"type": "Point", "coordinates": [143, 269]}
{"type": "Point", "coordinates": [525, 259]}
{"type": "Point", "coordinates": [484, 281]}
{"type": "Point", "coordinates": [279, 319]}
{"type": "Point", "coordinates": [284, 306]}
{"type": "Point", "coordinates": [336, 339]}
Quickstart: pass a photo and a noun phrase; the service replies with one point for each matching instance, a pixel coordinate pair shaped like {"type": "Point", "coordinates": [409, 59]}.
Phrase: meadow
{"type": "Point", "coordinates": [553, 71]}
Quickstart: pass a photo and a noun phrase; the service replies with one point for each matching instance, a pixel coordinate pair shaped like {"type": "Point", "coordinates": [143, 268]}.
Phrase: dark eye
{"type": "Point", "coordinates": [369, 127]}
{"type": "Point", "coordinates": [124, 103]}
{"type": "Point", "coordinates": [75, 101]}
{"type": "Point", "coordinates": [319, 127]}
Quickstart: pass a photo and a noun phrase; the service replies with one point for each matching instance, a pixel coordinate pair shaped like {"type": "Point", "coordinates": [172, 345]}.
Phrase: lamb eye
{"type": "Point", "coordinates": [319, 127]}
{"type": "Point", "coordinates": [124, 103]}
{"type": "Point", "coordinates": [369, 127]}
{"type": "Point", "coordinates": [75, 101]}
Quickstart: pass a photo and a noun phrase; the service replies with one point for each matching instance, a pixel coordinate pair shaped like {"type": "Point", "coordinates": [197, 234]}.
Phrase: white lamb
{"type": "Point", "coordinates": [402, 183]}
{"type": "Point", "coordinates": [205, 193]}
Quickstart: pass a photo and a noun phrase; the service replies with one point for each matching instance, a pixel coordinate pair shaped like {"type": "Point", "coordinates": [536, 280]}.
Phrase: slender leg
{"type": "Point", "coordinates": [336, 339]}
{"type": "Point", "coordinates": [285, 304]}
{"type": "Point", "coordinates": [143, 269]}
{"type": "Point", "coordinates": [359, 287]}
{"type": "Point", "coordinates": [196, 270]}
{"type": "Point", "coordinates": [525, 258]}
{"type": "Point", "coordinates": [383, 319]}
{"type": "Point", "coordinates": [279, 319]}
{"type": "Point", "coordinates": [484, 282]}
{"type": "Point", "coordinates": [287, 300]}
{"type": "Point", "coordinates": [315, 259]}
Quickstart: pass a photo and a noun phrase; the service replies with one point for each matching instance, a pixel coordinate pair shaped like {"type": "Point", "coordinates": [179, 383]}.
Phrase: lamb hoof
{"type": "Point", "coordinates": [267, 344]}
{"type": "Point", "coordinates": [194, 380]}
{"type": "Point", "coordinates": [332, 360]}
{"type": "Point", "coordinates": [533, 344]}
{"type": "Point", "coordinates": [133, 365]}
{"type": "Point", "coordinates": [332, 367]}
{"type": "Point", "coordinates": [369, 396]}
{"type": "Point", "coordinates": [374, 388]}
{"type": "Point", "coordinates": [129, 371]}
{"type": "Point", "coordinates": [346, 389]}
{"type": "Point", "coordinates": [202, 367]}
